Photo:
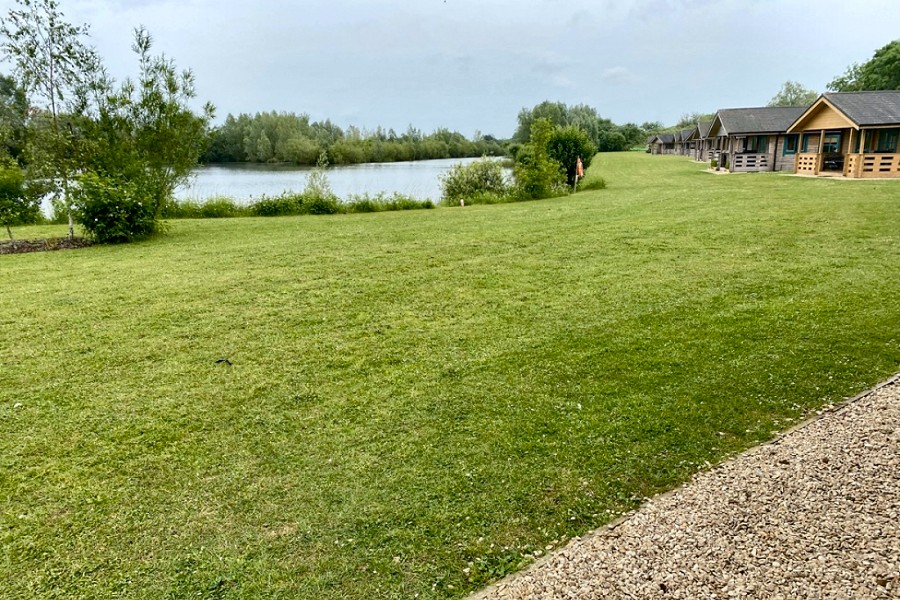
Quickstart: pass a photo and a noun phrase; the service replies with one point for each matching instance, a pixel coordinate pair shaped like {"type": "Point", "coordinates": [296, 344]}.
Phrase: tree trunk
{"type": "Point", "coordinates": [9, 231]}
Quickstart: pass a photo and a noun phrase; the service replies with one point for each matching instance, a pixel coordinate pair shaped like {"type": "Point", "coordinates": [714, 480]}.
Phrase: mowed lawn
{"type": "Point", "coordinates": [419, 402]}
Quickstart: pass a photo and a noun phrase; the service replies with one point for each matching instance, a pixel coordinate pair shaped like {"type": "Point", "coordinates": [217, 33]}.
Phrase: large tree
{"type": "Point", "coordinates": [882, 72]}
{"type": "Point", "coordinates": [56, 68]}
{"type": "Point", "coordinates": [793, 93]}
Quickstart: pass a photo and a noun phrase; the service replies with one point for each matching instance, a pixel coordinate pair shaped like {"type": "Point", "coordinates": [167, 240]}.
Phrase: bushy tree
{"type": "Point", "coordinates": [793, 94]}
{"type": "Point", "coordinates": [17, 206]}
{"type": "Point", "coordinates": [146, 141]}
{"type": "Point", "coordinates": [537, 175]}
{"type": "Point", "coordinates": [566, 145]}
{"type": "Point", "coordinates": [881, 72]}
{"type": "Point", "coordinates": [612, 141]}
{"type": "Point", "coordinates": [56, 69]}
{"type": "Point", "coordinates": [13, 115]}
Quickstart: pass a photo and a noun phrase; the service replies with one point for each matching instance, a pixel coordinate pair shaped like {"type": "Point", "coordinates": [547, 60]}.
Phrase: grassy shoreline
{"type": "Point", "coordinates": [419, 402]}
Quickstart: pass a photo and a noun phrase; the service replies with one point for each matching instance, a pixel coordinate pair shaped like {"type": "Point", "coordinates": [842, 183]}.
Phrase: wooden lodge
{"type": "Point", "coordinates": [662, 143]}
{"type": "Point", "coordinates": [850, 134]}
{"type": "Point", "coordinates": [753, 139]}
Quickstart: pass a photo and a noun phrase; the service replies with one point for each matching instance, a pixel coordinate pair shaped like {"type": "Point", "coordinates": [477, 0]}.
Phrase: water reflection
{"type": "Point", "coordinates": [419, 179]}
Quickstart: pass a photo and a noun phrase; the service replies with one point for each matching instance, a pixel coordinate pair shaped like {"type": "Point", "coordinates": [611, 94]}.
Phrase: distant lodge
{"type": "Point", "coordinates": [849, 134]}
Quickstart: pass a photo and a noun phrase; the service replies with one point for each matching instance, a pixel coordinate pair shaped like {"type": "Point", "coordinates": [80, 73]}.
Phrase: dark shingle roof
{"type": "Point", "coordinates": [766, 119]}
{"type": "Point", "coordinates": [868, 108]}
{"type": "Point", "coordinates": [666, 138]}
{"type": "Point", "coordinates": [686, 133]}
{"type": "Point", "coordinates": [704, 126]}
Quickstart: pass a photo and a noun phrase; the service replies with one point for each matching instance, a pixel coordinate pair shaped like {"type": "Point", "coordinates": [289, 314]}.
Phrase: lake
{"type": "Point", "coordinates": [243, 182]}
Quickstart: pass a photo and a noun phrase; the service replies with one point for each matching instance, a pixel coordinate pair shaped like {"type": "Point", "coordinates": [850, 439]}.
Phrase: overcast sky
{"type": "Point", "coordinates": [471, 65]}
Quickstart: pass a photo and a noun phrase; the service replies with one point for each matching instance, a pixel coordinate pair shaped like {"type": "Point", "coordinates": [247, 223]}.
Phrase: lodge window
{"type": "Point", "coordinates": [832, 143]}
{"type": "Point", "coordinates": [790, 144]}
{"type": "Point", "coordinates": [757, 144]}
{"type": "Point", "coordinates": [887, 140]}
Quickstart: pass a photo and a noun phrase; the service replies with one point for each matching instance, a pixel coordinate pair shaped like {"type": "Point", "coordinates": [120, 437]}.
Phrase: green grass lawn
{"type": "Point", "coordinates": [419, 401]}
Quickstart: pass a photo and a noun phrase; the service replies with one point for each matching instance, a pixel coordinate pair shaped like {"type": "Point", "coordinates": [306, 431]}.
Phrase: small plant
{"type": "Point", "coordinates": [713, 164]}
{"type": "Point", "coordinates": [318, 198]}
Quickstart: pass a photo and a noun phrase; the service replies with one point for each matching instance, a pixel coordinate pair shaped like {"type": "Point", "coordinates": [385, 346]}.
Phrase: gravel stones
{"type": "Point", "coordinates": [814, 514]}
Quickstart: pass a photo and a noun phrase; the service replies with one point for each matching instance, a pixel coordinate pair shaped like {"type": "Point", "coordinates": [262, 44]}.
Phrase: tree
{"type": "Point", "coordinates": [17, 206]}
{"type": "Point", "coordinates": [538, 175]}
{"type": "Point", "coordinates": [691, 119]}
{"type": "Point", "coordinates": [566, 145]}
{"type": "Point", "coordinates": [793, 93]}
{"type": "Point", "coordinates": [56, 68]}
{"type": "Point", "coordinates": [882, 72]}
{"type": "Point", "coordinates": [612, 141]}
{"type": "Point", "coordinates": [146, 139]}
{"type": "Point", "coordinates": [13, 115]}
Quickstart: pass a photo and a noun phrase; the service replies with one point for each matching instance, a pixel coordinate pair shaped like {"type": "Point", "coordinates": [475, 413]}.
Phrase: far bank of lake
{"type": "Point", "coordinates": [245, 182]}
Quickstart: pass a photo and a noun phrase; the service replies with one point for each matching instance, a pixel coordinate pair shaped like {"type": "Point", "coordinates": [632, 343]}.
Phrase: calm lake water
{"type": "Point", "coordinates": [419, 179]}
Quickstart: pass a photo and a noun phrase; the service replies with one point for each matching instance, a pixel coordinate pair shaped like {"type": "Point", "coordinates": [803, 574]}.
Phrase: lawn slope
{"type": "Point", "coordinates": [417, 403]}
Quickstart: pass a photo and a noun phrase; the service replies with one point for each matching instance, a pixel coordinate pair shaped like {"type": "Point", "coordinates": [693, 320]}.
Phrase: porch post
{"type": "Point", "coordinates": [847, 172]}
{"type": "Point", "coordinates": [819, 156]}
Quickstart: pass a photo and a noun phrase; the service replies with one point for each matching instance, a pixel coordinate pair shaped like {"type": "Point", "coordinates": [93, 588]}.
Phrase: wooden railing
{"type": "Point", "coordinates": [807, 164]}
{"type": "Point", "coordinates": [752, 162]}
{"type": "Point", "coordinates": [878, 165]}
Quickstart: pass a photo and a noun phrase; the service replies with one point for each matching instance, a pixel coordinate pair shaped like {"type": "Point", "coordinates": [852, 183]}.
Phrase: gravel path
{"type": "Point", "coordinates": [814, 514]}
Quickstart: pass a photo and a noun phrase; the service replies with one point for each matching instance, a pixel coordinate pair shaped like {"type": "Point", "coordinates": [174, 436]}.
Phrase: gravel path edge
{"type": "Point", "coordinates": [491, 591]}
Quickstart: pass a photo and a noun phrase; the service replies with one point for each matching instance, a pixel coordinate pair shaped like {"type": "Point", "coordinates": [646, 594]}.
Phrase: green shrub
{"type": "Point", "coordinates": [364, 203]}
{"type": "Point", "coordinates": [218, 208]}
{"type": "Point", "coordinates": [288, 203]}
{"type": "Point", "coordinates": [17, 205]}
{"type": "Point", "coordinates": [321, 205]}
{"type": "Point", "coordinates": [464, 182]}
{"type": "Point", "coordinates": [713, 164]}
{"type": "Point", "coordinates": [113, 210]}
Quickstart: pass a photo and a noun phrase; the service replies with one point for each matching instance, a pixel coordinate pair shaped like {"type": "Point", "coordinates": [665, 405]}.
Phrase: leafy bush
{"type": "Point", "coordinates": [321, 205]}
{"type": "Point", "coordinates": [113, 210]}
{"type": "Point", "coordinates": [288, 203]}
{"type": "Point", "coordinates": [17, 205]}
{"type": "Point", "coordinates": [381, 202]}
{"type": "Point", "coordinates": [482, 177]}
{"type": "Point", "coordinates": [538, 175]}
{"type": "Point", "coordinates": [218, 208]}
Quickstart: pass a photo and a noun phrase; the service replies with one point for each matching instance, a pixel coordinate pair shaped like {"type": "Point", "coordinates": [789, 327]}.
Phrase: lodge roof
{"type": "Point", "coordinates": [703, 128]}
{"type": "Point", "coordinates": [868, 108]}
{"type": "Point", "coordinates": [765, 119]}
{"type": "Point", "coordinates": [666, 138]}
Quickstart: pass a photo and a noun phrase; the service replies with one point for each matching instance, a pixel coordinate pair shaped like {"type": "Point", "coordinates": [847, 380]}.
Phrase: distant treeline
{"type": "Point", "coordinates": [290, 138]}
{"type": "Point", "coordinates": [604, 134]}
